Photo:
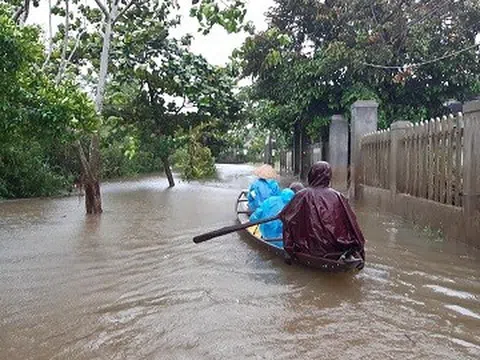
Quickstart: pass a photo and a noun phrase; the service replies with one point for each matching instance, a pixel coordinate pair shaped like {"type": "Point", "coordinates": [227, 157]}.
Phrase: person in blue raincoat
{"type": "Point", "coordinates": [269, 208]}
{"type": "Point", "coordinates": [262, 188]}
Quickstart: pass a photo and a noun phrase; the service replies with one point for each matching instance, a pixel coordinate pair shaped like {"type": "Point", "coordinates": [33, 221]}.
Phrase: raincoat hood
{"type": "Point", "coordinates": [287, 195]}
{"type": "Point", "coordinates": [320, 174]}
{"type": "Point", "coordinates": [319, 222]}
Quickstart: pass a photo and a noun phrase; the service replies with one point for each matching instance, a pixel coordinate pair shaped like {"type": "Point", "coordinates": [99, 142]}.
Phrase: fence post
{"type": "Point", "coordinates": [305, 156]}
{"type": "Point", "coordinates": [364, 121]}
{"type": "Point", "coordinates": [338, 151]}
{"type": "Point", "coordinates": [398, 130]}
{"type": "Point", "coordinates": [296, 151]}
{"type": "Point", "coordinates": [281, 157]}
{"type": "Point", "coordinates": [289, 162]}
{"type": "Point", "coordinates": [471, 172]}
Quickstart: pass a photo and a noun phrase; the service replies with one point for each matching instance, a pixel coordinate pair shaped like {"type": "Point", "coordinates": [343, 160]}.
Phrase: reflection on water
{"type": "Point", "coordinates": [132, 285]}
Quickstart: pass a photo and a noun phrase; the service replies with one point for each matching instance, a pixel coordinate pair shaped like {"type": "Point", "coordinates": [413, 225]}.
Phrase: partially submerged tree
{"type": "Point", "coordinates": [194, 159]}
{"type": "Point", "coordinates": [98, 29]}
{"type": "Point", "coordinates": [35, 110]}
{"type": "Point", "coordinates": [171, 89]}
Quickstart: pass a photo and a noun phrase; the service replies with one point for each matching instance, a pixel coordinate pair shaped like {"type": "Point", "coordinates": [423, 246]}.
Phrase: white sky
{"type": "Point", "coordinates": [216, 47]}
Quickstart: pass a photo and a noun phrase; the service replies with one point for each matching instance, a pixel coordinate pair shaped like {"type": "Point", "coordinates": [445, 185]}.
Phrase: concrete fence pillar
{"type": "Point", "coordinates": [290, 162]}
{"type": "Point", "coordinates": [297, 151]}
{"type": "Point", "coordinates": [281, 161]}
{"type": "Point", "coordinates": [398, 130]}
{"type": "Point", "coordinates": [338, 151]}
{"type": "Point", "coordinates": [471, 171]}
{"type": "Point", "coordinates": [305, 159]}
{"type": "Point", "coordinates": [364, 121]}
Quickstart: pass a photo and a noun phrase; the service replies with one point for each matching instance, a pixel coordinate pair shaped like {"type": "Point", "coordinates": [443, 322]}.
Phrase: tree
{"type": "Point", "coordinates": [194, 159]}
{"type": "Point", "coordinates": [172, 89]}
{"type": "Point", "coordinates": [35, 110]}
{"type": "Point", "coordinates": [317, 58]}
{"type": "Point", "coordinates": [22, 9]}
{"type": "Point", "coordinates": [115, 15]}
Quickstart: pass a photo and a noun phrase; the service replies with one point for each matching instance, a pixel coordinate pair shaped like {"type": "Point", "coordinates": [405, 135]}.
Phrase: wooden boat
{"type": "Point", "coordinates": [334, 263]}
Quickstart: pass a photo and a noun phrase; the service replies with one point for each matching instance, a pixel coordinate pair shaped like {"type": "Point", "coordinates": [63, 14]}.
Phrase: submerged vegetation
{"type": "Point", "coordinates": [112, 93]}
{"type": "Point", "coordinates": [193, 159]}
{"type": "Point", "coordinates": [146, 85]}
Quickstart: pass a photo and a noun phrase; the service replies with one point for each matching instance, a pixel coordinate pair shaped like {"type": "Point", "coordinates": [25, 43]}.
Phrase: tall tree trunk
{"type": "Point", "coordinates": [91, 174]}
{"type": "Point", "coordinates": [93, 198]}
{"type": "Point", "coordinates": [268, 150]}
{"type": "Point", "coordinates": [104, 58]}
{"type": "Point", "coordinates": [21, 14]}
{"type": "Point", "coordinates": [50, 35]}
{"type": "Point", "coordinates": [27, 11]}
{"type": "Point", "coordinates": [63, 59]}
{"type": "Point", "coordinates": [305, 153]}
{"type": "Point", "coordinates": [90, 183]}
{"type": "Point", "coordinates": [168, 171]}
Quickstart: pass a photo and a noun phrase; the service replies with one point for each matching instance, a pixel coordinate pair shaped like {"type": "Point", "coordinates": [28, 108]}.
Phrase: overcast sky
{"type": "Point", "coordinates": [218, 45]}
{"type": "Point", "coordinates": [215, 47]}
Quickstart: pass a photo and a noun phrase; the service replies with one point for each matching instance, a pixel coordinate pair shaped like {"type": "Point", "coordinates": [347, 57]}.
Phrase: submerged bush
{"type": "Point", "coordinates": [25, 171]}
{"type": "Point", "coordinates": [116, 164]}
{"type": "Point", "coordinates": [195, 165]}
{"type": "Point", "coordinates": [194, 160]}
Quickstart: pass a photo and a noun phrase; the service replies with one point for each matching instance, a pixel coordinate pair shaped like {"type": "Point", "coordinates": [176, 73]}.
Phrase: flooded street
{"type": "Point", "coordinates": [132, 284]}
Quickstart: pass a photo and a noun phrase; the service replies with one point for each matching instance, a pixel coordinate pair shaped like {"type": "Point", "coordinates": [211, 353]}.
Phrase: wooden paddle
{"type": "Point", "coordinates": [229, 229]}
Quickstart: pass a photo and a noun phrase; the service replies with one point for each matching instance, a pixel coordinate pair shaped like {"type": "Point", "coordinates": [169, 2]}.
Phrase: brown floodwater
{"type": "Point", "coordinates": [131, 284]}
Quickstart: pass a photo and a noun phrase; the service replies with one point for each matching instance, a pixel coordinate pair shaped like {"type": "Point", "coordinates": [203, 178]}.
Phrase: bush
{"type": "Point", "coordinates": [26, 172]}
{"type": "Point", "coordinates": [116, 164]}
{"type": "Point", "coordinates": [194, 160]}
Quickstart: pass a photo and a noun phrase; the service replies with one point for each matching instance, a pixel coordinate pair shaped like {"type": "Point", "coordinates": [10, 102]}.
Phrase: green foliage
{"type": "Point", "coordinates": [358, 92]}
{"type": "Point", "coordinates": [116, 164]}
{"type": "Point", "coordinates": [265, 114]}
{"type": "Point", "coordinates": [125, 153]}
{"type": "Point", "coordinates": [194, 160]}
{"type": "Point", "coordinates": [244, 143]}
{"type": "Point", "coordinates": [316, 126]}
{"type": "Point", "coordinates": [159, 98]}
{"type": "Point", "coordinates": [38, 119]}
{"type": "Point", "coordinates": [256, 147]}
{"type": "Point", "coordinates": [26, 172]}
{"type": "Point", "coordinates": [153, 80]}
{"type": "Point", "coordinates": [30, 102]}
{"type": "Point", "coordinates": [322, 66]}
{"type": "Point", "coordinates": [229, 14]}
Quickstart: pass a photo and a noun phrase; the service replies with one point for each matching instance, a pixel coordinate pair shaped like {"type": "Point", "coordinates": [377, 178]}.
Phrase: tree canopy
{"type": "Point", "coordinates": [35, 112]}
{"type": "Point", "coordinates": [155, 86]}
{"type": "Point", "coordinates": [318, 57]}
{"type": "Point", "coordinates": [113, 81]}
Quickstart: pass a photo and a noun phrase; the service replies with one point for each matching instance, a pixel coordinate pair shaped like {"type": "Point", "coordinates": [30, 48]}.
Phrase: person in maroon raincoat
{"type": "Point", "coordinates": [319, 222]}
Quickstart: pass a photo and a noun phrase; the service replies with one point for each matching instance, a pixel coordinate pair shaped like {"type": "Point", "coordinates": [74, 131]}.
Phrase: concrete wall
{"type": "Point", "coordinates": [448, 219]}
